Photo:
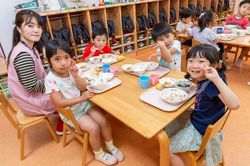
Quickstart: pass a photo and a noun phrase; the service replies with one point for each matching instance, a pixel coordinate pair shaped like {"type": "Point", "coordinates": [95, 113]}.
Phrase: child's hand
{"type": "Point", "coordinates": [160, 44]}
{"type": "Point", "coordinates": [153, 56]}
{"type": "Point", "coordinates": [87, 95]}
{"type": "Point", "coordinates": [73, 69]}
{"type": "Point", "coordinates": [210, 73]}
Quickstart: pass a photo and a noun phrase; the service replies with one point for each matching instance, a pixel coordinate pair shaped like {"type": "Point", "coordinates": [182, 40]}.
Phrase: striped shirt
{"type": "Point", "coordinates": [25, 69]}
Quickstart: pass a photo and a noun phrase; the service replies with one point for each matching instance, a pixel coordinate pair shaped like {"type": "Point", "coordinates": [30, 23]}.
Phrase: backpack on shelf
{"type": "Point", "coordinates": [226, 5]}
{"type": "Point", "coordinates": [172, 15]}
{"type": "Point", "coordinates": [97, 24]}
{"type": "Point", "coordinates": [151, 20]}
{"type": "Point", "coordinates": [80, 33]}
{"type": "Point", "coordinates": [212, 6]}
{"type": "Point", "coordinates": [163, 16]}
{"type": "Point", "coordinates": [142, 21]}
{"type": "Point", "coordinates": [63, 34]}
{"type": "Point", "coordinates": [127, 24]}
{"type": "Point", "coordinates": [111, 28]}
{"type": "Point", "coordinates": [219, 7]}
{"type": "Point", "coordinates": [198, 10]}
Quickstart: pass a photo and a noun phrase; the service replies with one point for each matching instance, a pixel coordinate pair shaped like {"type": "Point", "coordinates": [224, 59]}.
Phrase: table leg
{"type": "Point", "coordinates": [162, 137]}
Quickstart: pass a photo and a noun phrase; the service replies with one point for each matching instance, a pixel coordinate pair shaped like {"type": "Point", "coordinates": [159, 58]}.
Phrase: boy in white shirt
{"type": "Point", "coordinates": [184, 24]}
{"type": "Point", "coordinates": [169, 50]}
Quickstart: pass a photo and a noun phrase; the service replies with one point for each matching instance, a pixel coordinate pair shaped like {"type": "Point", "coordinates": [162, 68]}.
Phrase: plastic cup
{"type": "Point", "coordinates": [106, 68]}
{"type": "Point", "coordinates": [114, 70]}
{"type": "Point", "coordinates": [144, 81]}
{"type": "Point", "coordinates": [154, 79]}
{"type": "Point", "coordinates": [220, 30]}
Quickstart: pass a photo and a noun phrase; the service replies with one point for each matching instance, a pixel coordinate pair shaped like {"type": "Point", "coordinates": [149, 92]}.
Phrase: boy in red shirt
{"type": "Point", "coordinates": [98, 46]}
{"type": "Point", "coordinates": [242, 22]}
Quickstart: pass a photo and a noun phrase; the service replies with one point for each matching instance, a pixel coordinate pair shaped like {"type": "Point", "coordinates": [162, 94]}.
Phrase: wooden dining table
{"type": "Point", "coordinates": [123, 103]}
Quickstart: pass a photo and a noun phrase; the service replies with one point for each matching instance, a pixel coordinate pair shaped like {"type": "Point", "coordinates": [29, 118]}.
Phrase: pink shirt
{"type": "Point", "coordinates": [233, 20]}
{"type": "Point", "coordinates": [30, 103]}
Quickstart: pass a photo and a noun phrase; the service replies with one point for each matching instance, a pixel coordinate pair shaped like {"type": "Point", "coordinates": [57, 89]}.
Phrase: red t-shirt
{"type": "Point", "coordinates": [242, 22]}
{"type": "Point", "coordinates": [87, 51]}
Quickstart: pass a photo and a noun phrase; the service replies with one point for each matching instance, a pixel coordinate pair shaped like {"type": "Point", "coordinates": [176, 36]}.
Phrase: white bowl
{"type": "Point", "coordinates": [152, 65]}
{"type": "Point", "coordinates": [183, 84]}
{"type": "Point", "coordinates": [108, 60]}
{"type": "Point", "coordinates": [99, 84]}
{"type": "Point", "coordinates": [139, 70]}
{"type": "Point", "coordinates": [173, 95]}
{"type": "Point", "coordinates": [106, 76]}
{"type": "Point", "coordinates": [242, 32]}
{"type": "Point", "coordinates": [230, 26]}
{"type": "Point", "coordinates": [167, 82]}
{"type": "Point", "coordinates": [127, 67]}
{"type": "Point", "coordinates": [95, 59]}
{"type": "Point", "coordinates": [83, 67]}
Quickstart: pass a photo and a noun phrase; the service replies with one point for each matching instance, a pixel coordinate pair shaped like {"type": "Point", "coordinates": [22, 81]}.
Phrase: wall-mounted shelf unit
{"type": "Point", "coordinates": [122, 42]}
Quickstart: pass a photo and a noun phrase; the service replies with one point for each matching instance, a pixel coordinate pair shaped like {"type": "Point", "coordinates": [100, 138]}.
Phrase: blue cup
{"type": "Point", "coordinates": [106, 68]}
{"type": "Point", "coordinates": [220, 30]}
{"type": "Point", "coordinates": [144, 81]}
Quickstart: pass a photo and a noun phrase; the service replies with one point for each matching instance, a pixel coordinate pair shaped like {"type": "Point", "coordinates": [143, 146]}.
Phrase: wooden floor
{"type": "Point", "coordinates": [41, 150]}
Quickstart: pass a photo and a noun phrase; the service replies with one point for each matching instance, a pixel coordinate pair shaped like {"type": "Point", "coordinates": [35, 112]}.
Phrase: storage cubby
{"type": "Point", "coordinates": [123, 41]}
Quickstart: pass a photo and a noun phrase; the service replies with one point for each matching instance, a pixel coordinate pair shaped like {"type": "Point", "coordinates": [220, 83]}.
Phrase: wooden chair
{"type": "Point", "coordinates": [183, 59]}
{"type": "Point", "coordinates": [194, 158]}
{"type": "Point", "coordinates": [77, 132]}
{"type": "Point", "coordinates": [233, 51]}
{"type": "Point", "coordinates": [22, 122]}
{"type": "Point", "coordinates": [195, 42]}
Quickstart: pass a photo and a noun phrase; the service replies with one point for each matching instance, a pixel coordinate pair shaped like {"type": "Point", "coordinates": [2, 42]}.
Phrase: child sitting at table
{"type": "Point", "coordinates": [169, 50]}
{"type": "Point", "coordinates": [67, 89]}
{"type": "Point", "coordinates": [99, 45]}
{"type": "Point", "coordinates": [212, 94]}
{"type": "Point", "coordinates": [185, 24]}
{"type": "Point", "coordinates": [204, 34]}
{"type": "Point", "coordinates": [241, 21]}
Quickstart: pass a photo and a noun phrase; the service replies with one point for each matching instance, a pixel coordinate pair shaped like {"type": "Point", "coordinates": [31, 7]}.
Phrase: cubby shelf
{"type": "Point", "coordinates": [58, 19]}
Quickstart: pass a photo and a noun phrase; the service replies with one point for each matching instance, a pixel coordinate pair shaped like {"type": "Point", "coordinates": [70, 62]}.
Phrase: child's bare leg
{"type": "Point", "coordinates": [87, 124]}
{"type": "Point", "coordinates": [176, 160]}
{"type": "Point", "coordinates": [96, 114]}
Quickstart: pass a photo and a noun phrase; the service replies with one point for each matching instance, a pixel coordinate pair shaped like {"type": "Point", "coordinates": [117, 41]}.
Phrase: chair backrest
{"type": "Point", "coordinates": [67, 113]}
{"type": "Point", "coordinates": [8, 110]}
{"type": "Point", "coordinates": [195, 43]}
{"type": "Point", "coordinates": [211, 131]}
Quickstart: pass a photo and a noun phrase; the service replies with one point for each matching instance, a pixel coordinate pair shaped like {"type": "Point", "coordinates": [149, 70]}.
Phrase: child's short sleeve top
{"type": "Point", "coordinates": [207, 36]}
{"type": "Point", "coordinates": [67, 86]}
{"type": "Point", "coordinates": [176, 63]}
{"type": "Point", "coordinates": [208, 106]}
{"type": "Point", "coordinates": [87, 51]}
{"type": "Point", "coordinates": [233, 20]}
{"type": "Point", "coordinates": [182, 26]}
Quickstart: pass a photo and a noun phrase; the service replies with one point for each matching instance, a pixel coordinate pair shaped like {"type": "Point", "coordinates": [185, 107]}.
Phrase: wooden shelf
{"type": "Point", "coordinates": [58, 19]}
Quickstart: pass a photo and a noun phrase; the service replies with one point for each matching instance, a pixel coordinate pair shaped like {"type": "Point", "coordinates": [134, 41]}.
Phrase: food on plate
{"type": "Point", "coordinates": [167, 82]}
{"type": "Point", "coordinates": [94, 59]}
{"type": "Point", "coordinates": [173, 95]}
{"type": "Point", "coordinates": [128, 67]}
{"type": "Point", "coordinates": [183, 84]}
{"type": "Point", "coordinates": [120, 57]}
{"type": "Point", "coordinates": [159, 86]}
{"type": "Point", "coordinates": [152, 65]}
{"type": "Point", "coordinates": [108, 60]}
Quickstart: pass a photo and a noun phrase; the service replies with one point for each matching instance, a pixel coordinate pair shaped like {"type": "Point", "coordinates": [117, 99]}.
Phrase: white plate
{"type": "Point", "coordinates": [108, 56]}
{"type": "Point", "coordinates": [108, 60]}
{"type": "Point", "coordinates": [89, 77]}
{"type": "Point", "coordinates": [152, 65]}
{"type": "Point", "coordinates": [128, 68]}
{"type": "Point", "coordinates": [227, 36]}
{"type": "Point", "coordinates": [173, 95]}
{"type": "Point", "coordinates": [106, 76]}
{"type": "Point", "coordinates": [95, 59]}
{"type": "Point", "coordinates": [167, 82]}
{"type": "Point", "coordinates": [83, 67]}
{"type": "Point", "coordinates": [141, 65]}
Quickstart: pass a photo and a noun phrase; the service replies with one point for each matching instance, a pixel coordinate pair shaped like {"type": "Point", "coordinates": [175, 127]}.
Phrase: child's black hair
{"type": "Point", "coordinates": [244, 2]}
{"type": "Point", "coordinates": [160, 29]}
{"type": "Point", "coordinates": [52, 46]}
{"type": "Point", "coordinates": [99, 32]}
{"type": "Point", "coordinates": [185, 13]}
{"type": "Point", "coordinates": [208, 52]}
{"type": "Point", "coordinates": [205, 20]}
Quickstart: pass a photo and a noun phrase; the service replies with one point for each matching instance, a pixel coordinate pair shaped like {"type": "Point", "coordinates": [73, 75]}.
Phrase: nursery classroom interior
{"type": "Point", "coordinates": [137, 126]}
